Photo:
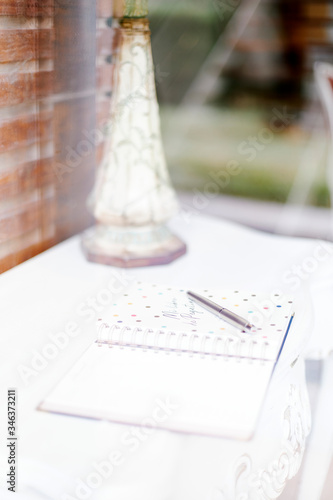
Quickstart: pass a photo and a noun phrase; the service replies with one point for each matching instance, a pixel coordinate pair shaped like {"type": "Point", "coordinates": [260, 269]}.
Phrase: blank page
{"type": "Point", "coordinates": [189, 393]}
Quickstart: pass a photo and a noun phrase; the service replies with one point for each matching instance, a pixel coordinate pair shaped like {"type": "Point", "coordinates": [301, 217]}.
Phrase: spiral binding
{"type": "Point", "coordinates": [182, 343]}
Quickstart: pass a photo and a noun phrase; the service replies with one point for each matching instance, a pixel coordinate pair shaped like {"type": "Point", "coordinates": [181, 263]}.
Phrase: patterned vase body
{"type": "Point", "coordinates": [133, 197]}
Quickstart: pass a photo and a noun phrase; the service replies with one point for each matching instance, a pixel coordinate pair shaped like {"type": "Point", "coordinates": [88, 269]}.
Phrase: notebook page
{"type": "Point", "coordinates": [220, 397]}
{"type": "Point", "coordinates": [165, 309]}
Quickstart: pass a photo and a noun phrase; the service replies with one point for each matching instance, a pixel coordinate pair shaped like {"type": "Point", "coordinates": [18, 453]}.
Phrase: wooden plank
{"type": "Point", "coordinates": [256, 45]}
{"type": "Point", "coordinates": [26, 177]}
{"type": "Point", "coordinates": [314, 11]}
{"type": "Point", "coordinates": [75, 119]}
{"type": "Point", "coordinates": [75, 50]}
{"type": "Point", "coordinates": [27, 8]}
{"type": "Point", "coordinates": [75, 152]}
{"type": "Point", "coordinates": [315, 34]}
{"type": "Point", "coordinates": [25, 130]}
{"type": "Point", "coordinates": [23, 253]}
{"type": "Point", "coordinates": [23, 45]}
{"type": "Point", "coordinates": [25, 87]}
{"type": "Point", "coordinates": [25, 219]}
{"type": "Point", "coordinates": [73, 219]}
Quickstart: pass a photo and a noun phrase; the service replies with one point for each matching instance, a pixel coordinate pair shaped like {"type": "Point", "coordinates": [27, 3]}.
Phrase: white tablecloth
{"type": "Point", "coordinates": [52, 292]}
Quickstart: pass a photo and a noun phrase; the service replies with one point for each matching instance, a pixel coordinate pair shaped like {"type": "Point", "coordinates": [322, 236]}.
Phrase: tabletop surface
{"type": "Point", "coordinates": [59, 292]}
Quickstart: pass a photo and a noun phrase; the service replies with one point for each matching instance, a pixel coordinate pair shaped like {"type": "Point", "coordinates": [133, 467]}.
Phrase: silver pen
{"type": "Point", "coordinates": [222, 312]}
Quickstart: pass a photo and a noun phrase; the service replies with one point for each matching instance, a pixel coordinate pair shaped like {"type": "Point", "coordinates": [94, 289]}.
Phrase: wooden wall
{"type": "Point", "coordinates": [50, 142]}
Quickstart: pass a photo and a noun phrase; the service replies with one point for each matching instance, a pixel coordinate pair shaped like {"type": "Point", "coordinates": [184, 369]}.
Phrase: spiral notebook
{"type": "Point", "coordinates": [161, 361]}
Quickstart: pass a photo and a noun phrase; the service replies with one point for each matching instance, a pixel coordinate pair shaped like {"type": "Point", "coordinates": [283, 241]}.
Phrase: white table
{"type": "Point", "coordinates": [58, 291]}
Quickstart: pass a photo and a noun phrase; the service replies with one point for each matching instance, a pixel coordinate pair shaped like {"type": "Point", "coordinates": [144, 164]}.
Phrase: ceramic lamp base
{"type": "Point", "coordinates": [132, 246]}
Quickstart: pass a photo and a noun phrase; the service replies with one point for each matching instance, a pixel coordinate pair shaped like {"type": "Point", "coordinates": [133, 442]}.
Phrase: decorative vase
{"type": "Point", "coordinates": [132, 198]}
